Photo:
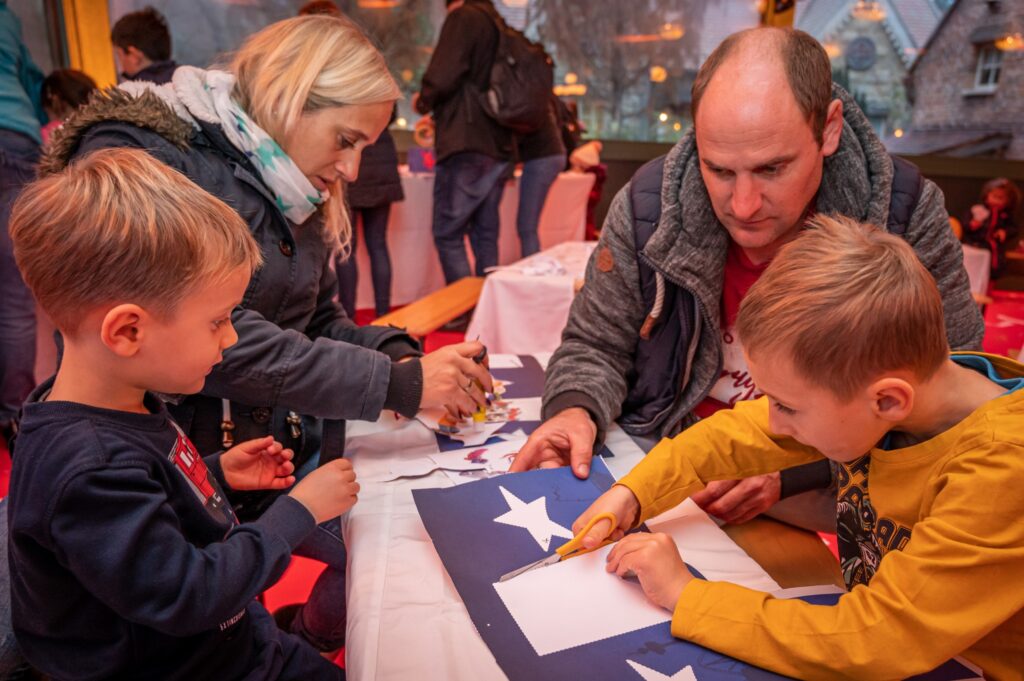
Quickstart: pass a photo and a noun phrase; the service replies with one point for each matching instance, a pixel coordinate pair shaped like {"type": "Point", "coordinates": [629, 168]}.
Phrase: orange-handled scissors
{"type": "Point", "coordinates": [570, 549]}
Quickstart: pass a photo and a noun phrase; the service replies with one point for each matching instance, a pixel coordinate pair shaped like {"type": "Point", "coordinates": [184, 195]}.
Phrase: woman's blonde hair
{"type": "Point", "coordinates": [304, 64]}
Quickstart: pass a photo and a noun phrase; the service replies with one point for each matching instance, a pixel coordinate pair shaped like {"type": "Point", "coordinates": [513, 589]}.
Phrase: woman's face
{"type": "Point", "coordinates": [326, 144]}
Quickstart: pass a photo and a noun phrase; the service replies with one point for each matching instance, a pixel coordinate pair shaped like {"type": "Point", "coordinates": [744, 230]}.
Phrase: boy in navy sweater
{"type": "Point", "coordinates": [127, 561]}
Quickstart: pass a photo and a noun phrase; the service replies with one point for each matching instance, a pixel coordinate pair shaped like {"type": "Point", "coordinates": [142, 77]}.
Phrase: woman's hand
{"type": "Point", "coordinates": [452, 380]}
{"type": "Point", "coordinates": [258, 464]}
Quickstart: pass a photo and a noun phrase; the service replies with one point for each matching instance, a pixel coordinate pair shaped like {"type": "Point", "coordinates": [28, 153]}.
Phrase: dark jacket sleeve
{"type": "Point", "coordinates": [147, 572]}
{"type": "Point", "coordinates": [938, 249]}
{"type": "Point", "coordinates": [451, 62]}
{"type": "Point", "coordinates": [330, 321]}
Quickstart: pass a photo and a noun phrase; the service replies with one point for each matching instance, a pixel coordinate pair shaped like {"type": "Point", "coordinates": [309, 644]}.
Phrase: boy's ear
{"type": "Point", "coordinates": [892, 398]}
{"type": "Point", "coordinates": [123, 329]}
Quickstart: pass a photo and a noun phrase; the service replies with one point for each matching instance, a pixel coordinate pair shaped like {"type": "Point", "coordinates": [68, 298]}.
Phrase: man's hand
{"type": "Point", "coordinates": [737, 501]}
{"type": "Point", "coordinates": [258, 464]}
{"type": "Point", "coordinates": [328, 491]}
{"type": "Point", "coordinates": [453, 381]}
{"type": "Point", "coordinates": [618, 500]}
{"type": "Point", "coordinates": [655, 561]}
{"type": "Point", "coordinates": [567, 438]}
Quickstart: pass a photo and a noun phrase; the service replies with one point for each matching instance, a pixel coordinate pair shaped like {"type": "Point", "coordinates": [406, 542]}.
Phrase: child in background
{"type": "Point", "coordinates": [990, 224]}
{"type": "Point", "coordinates": [126, 559]}
{"type": "Point", "coordinates": [844, 334]}
{"type": "Point", "coordinates": [64, 91]}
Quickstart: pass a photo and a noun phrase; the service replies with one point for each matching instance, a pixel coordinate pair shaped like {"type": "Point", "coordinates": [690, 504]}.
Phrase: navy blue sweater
{"type": "Point", "coordinates": [126, 559]}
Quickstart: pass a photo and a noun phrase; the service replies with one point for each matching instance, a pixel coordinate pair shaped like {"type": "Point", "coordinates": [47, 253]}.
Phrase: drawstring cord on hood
{"type": "Point", "coordinates": [659, 301]}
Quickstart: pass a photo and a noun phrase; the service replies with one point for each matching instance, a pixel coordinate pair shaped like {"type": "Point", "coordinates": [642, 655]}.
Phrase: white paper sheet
{"type": "Point", "coordinates": [505, 362]}
{"type": "Point", "coordinates": [576, 602]}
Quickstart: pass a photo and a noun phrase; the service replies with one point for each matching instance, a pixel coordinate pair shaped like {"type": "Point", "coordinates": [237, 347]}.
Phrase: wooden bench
{"type": "Point", "coordinates": [432, 312]}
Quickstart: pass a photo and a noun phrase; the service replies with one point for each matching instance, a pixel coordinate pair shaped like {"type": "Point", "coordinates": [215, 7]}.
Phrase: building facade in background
{"type": "Point", "coordinates": [968, 95]}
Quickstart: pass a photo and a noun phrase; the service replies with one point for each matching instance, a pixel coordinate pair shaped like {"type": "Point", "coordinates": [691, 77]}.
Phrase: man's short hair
{"type": "Point", "coordinates": [146, 30]}
{"type": "Point", "coordinates": [807, 66]}
{"type": "Point", "coordinates": [846, 302]}
{"type": "Point", "coordinates": [118, 226]}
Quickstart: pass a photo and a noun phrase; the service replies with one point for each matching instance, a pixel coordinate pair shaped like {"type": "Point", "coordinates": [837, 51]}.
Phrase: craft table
{"type": "Point", "coordinates": [405, 618]}
{"type": "Point", "coordinates": [523, 307]}
{"type": "Point", "coordinates": [415, 268]}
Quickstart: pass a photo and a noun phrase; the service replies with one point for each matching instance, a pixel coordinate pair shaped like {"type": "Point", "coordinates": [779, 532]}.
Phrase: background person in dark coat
{"type": "Point", "coordinates": [370, 198]}
{"type": "Point", "coordinates": [473, 152]}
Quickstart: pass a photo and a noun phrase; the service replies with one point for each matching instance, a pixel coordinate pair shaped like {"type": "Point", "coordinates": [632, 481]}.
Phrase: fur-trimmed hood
{"type": "Point", "coordinates": [114, 105]}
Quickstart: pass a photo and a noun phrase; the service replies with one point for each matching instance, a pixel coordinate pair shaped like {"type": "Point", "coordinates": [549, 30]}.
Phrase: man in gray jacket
{"type": "Point", "coordinates": [649, 341]}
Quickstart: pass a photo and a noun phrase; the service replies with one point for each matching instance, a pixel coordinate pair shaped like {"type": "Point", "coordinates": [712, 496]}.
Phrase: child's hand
{"type": "Point", "coordinates": [979, 213]}
{"type": "Point", "coordinates": [655, 561]}
{"type": "Point", "coordinates": [618, 500]}
{"type": "Point", "coordinates": [258, 464]}
{"type": "Point", "coordinates": [328, 491]}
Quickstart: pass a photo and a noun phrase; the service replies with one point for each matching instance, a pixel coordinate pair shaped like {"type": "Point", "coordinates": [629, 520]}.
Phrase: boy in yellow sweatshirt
{"type": "Point", "coordinates": [844, 335]}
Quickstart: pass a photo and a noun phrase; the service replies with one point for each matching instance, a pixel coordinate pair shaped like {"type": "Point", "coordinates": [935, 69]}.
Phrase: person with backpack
{"type": "Point", "coordinates": [474, 151]}
{"type": "Point", "coordinates": [650, 341]}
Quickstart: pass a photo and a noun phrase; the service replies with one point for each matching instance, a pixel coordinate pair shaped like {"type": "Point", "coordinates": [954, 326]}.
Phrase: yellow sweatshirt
{"type": "Point", "coordinates": [947, 520]}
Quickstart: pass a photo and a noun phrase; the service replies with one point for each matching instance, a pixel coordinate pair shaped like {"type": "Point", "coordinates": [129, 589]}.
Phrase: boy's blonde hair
{"type": "Point", "coordinates": [119, 226]}
{"type": "Point", "coordinates": [304, 64]}
{"type": "Point", "coordinates": [846, 302]}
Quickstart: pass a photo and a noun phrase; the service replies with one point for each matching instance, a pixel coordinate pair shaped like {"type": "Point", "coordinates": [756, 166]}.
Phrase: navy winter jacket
{"type": "Point", "coordinates": [127, 562]}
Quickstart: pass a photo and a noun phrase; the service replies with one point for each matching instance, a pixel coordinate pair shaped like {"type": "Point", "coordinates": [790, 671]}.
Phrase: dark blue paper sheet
{"type": "Point", "coordinates": [476, 551]}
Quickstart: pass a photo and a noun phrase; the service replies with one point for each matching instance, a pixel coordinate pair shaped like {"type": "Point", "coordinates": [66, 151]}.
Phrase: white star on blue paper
{"type": "Point", "coordinates": [684, 674]}
{"type": "Point", "coordinates": [532, 517]}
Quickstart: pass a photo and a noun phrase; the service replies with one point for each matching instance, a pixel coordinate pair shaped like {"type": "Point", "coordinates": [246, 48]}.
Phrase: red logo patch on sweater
{"type": "Point", "coordinates": [186, 459]}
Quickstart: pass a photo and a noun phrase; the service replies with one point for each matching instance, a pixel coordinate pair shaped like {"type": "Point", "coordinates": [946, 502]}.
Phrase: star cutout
{"type": "Point", "coordinates": [532, 517]}
{"type": "Point", "coordinates": [684, 674]}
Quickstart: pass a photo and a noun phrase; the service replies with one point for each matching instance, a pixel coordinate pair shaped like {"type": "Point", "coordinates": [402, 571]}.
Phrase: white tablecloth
{"type": "Point", "coordinates": [416, 270]}
{"type": "Point", "coordinates": [978, 263]}
{"type": "Point", "coordinates": [405, 618]}
{"type": "Point", "coordinates": [523, 311]}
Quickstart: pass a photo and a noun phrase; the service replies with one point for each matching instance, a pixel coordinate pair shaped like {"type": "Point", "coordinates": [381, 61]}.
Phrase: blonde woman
{"type": "Point", "coordinates": [276, 136]}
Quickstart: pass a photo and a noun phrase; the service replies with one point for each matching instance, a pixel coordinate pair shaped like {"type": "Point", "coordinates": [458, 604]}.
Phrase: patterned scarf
{"type": "Point", "coordinates": [199, 95]}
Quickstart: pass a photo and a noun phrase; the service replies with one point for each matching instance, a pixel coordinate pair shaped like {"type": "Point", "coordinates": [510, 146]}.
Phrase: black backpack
{"type": "Point", "coordinates": [522, 77]}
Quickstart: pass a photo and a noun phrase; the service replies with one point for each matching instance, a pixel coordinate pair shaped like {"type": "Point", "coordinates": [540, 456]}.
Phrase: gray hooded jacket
{"type": "Point", "coordinates": [594, 366]}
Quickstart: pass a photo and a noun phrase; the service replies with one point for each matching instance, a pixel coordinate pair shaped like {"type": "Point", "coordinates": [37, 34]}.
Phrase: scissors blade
{"type": "Point", "coordinates": [546, 560]}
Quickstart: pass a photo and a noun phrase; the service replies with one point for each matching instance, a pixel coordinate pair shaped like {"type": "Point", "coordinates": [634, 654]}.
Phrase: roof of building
{"type": "Point", "coordinates": [909, 24]}
{"type": "Point", "coordinates": [956, 141]}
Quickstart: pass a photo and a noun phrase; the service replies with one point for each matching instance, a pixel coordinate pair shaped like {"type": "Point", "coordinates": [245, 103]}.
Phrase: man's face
{"type": "Point", "coordinates": [759, 159]}
{"type": "Point", "coordinates": [842, 430]}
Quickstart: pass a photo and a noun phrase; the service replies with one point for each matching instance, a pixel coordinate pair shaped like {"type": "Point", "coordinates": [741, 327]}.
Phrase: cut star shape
{"type": "Point", "coordinates": [684, 674]}
{"type": "Point", "coordinates": [532, 517]}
